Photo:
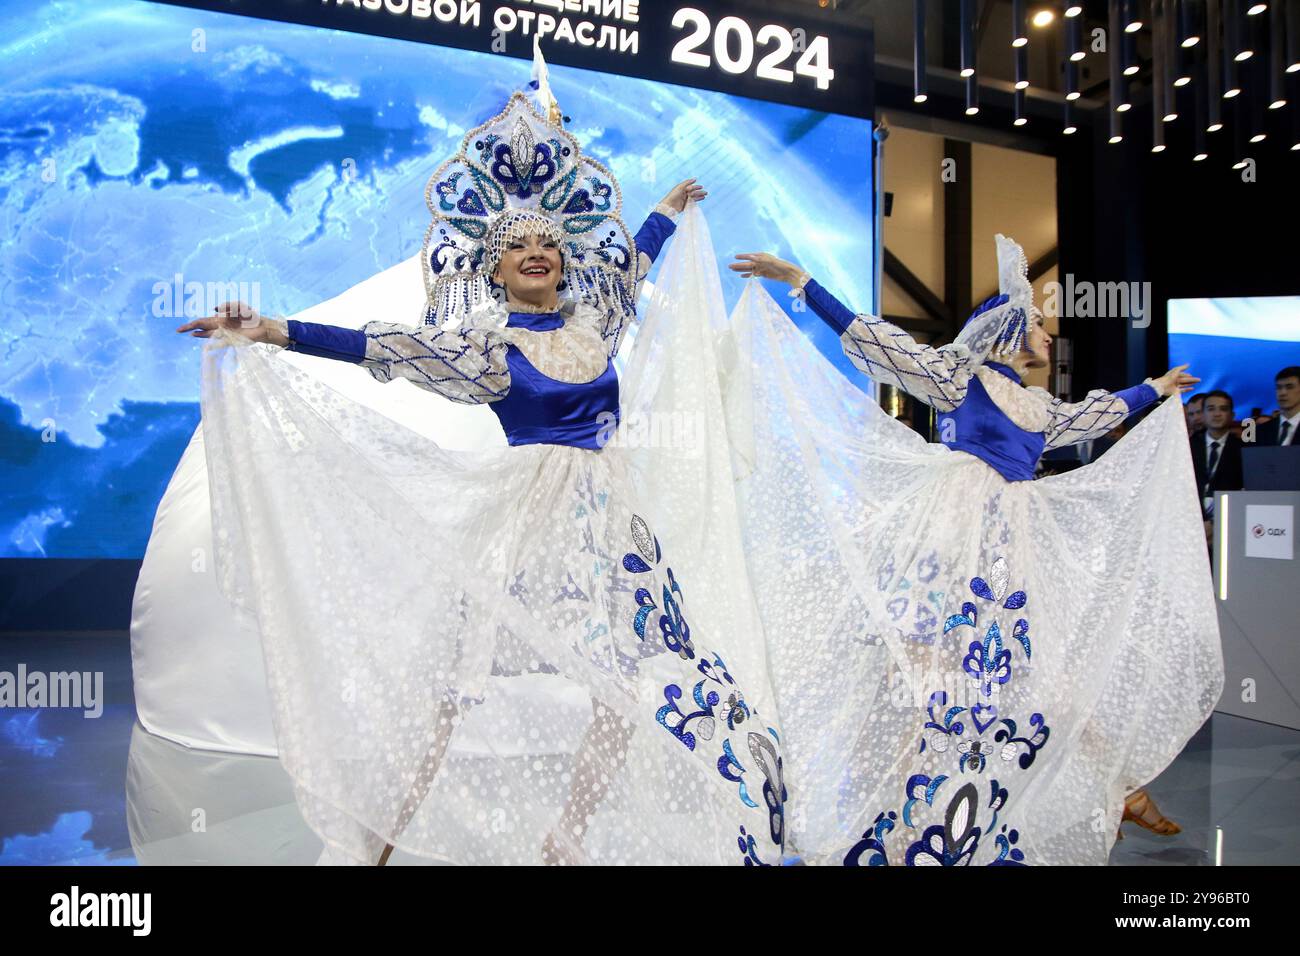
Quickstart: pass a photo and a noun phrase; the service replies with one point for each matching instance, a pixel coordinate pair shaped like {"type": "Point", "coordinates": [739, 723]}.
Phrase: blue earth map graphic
{"type": "Point", "coordinates": [140, 142]}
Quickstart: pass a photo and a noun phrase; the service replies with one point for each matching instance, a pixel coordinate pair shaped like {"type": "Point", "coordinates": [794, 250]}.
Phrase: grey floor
{"type": "Point", "coordinates": [104, 791]}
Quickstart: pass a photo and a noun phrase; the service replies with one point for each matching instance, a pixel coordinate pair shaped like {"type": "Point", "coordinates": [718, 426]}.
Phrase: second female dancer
{"type": "Point", "coordinates": [972, 666]}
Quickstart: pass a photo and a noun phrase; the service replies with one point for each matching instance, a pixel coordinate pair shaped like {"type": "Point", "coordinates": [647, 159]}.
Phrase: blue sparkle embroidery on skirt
{"type": "Point", "coordinates": [720, 719]}
{"type": "Point", "coordinates": [969, 737]}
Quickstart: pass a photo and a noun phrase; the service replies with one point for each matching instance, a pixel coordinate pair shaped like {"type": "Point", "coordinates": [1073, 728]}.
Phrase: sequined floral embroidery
{"type": "Point", "coordinates": [714, 715]}
{"type": "Point", "coordinates": [971, 738]}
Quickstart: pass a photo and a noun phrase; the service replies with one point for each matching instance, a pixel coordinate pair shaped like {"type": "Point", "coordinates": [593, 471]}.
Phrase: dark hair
{"type": "Point", "coordinates": [1198, 397]}
{"type": "Point", "coordinates": [1291, 371]}
{"type": "Point", "coordinates": [1220, 393]}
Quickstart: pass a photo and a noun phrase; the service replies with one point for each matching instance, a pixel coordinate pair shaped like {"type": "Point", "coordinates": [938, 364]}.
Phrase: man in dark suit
{"type": "Point", "coordinates": [1282, 429]}
{"type": "Point", "coordinates": [1195, 412]}
{"type": "Point", "coordinates": [1216, 451]}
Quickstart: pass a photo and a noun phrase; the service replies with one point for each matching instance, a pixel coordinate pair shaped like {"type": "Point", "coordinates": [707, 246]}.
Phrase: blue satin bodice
{"type": "Point", "coordinates": [978, 427]}
{"type": "Point", "coordinates": [542, 410]}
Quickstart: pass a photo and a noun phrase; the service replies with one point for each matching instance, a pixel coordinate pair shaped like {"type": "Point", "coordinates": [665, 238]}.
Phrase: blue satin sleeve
{"type": "Point", "coordinates": [828, 308]}
{"type": "Point", "coordinates": [652, 235]}
{"type": "Point", "coordinates": [327, 341]}
{"type": "Point", "coordinates": [1138, 397]}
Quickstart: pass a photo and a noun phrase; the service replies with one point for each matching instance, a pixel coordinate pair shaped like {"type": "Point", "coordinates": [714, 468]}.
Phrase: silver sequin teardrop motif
{"type": "Point", "coordinates": [645, 542]}
{"type": "Point", "coordinates": [1000, 577]}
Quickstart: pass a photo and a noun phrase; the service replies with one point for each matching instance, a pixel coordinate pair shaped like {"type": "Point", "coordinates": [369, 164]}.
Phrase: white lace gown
{"type": "Point", "coordinates": [969, 670]}
{"type": "Point", "coordinates": [198, 677]}
{"type": "Point", "coordinates": [467, 651]}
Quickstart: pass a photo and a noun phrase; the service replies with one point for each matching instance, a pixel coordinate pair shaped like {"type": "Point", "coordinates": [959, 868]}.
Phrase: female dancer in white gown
{"type": "Point", "coordinates": [900, 583]}
{"type": "Point", "coordinates": [474, 656]}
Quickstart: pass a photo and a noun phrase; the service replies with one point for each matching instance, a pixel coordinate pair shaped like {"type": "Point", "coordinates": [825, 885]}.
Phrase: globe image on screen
{"type": "Point", "coordinates": [218, 152]}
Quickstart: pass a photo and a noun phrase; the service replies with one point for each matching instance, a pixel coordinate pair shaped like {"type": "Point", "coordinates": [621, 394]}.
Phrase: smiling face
{"type": "Point", "coordinates": [530, 269]}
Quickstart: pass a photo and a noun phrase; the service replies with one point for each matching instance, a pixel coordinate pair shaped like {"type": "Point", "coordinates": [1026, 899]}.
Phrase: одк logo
{"type": "Point", "coordinates": [1260, 531]}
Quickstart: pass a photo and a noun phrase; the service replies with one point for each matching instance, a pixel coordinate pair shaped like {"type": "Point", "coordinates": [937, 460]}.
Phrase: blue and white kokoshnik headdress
{"type": "Point", "coordinates": [519, 174]}
{"type": "Point", "coordinates": [999, 328]}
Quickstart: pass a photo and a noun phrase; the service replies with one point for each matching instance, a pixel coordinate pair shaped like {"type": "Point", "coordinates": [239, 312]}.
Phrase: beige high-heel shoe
{"type": "Point", "coordinates": [1139, 808]}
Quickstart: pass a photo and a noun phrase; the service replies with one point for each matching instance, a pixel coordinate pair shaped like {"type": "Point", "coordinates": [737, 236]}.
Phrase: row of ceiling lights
{"type": "Point", "coordinates": [1221, 81]}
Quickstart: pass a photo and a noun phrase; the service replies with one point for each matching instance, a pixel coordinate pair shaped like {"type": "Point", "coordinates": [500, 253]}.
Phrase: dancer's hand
{"type": "Point", "coordinates": [685, 190]}
{"type": "Point", "coordinates": [240, 318]}
{"type": "Point", "coordinates": [1174, 382]}
{"type": "Point", "coordinates": [766, 266]}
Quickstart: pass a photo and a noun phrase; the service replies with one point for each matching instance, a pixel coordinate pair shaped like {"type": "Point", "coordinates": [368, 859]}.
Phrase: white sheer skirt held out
{"type": "Point", "coordinates": [474, 656]}
{"type": "Point", "coordinates": [969, 670]}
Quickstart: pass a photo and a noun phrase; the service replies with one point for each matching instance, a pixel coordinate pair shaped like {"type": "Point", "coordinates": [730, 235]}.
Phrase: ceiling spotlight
{"type": "Point", "coordinates": [1018, 35]}
{"type": "Point", "coordinates": [972, 110]}
{"type": "Point", "coordinates": [1020, 121]}
{"type": "Point", "coordinates": [920, 98]}
{"type": "Point", "coordinates": [1022, 84]}
{"type": "Point", "coordinates": [1158, 148]}
{"type": "Point", "coordinates": [1115, 139]}
{"type": "Point", "coordinates": [1258, 137]}
{"type": "Point", "coordinates": [1244, 55]}
{"type": "Point", "coordinates": [1182, 81]}
{"type": "Point", "coordinates": [1073, 95]}
{"type": "Point", "coordinates": [1214, 127]}
{"type": "Point", "coordinates": [1170, 117]}
{"type": "Point", "coordinates": [1239, 165]}
{"type": "Point", "coordinates": [1191, 42]}
{"type": "Point", "coordinates": [968, 45]}
{"type": "Point", "coordinates": [1070, 130]}
{"type": "Point", "coordinates": [1277, 104]}
{"type": "Point", "coordinates": [1294, 67]}
{"type": "Point", "coordinates": [1200, 156]}
{"type": "Point", "coordinates": [1074, 9]}
{"type": "Point", "coordinates": [1229, 94]}
{"type": "Point", "coordinates": [1123, 107]}
{"type": "Point", "coordinates": [1043, 17]}
{"type": "Point", "coordinates": [1131, 70]}
{"type": "Point", "coordinates": [1133, 27]}
{"type": "Point", "coordinates": [1256, 8]}
{"type": "Point", "coordinates": [1077, 55]}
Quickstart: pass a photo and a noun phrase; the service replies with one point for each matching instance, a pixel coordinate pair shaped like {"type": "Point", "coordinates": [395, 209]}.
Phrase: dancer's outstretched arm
{"type": "Point", "coordinates": [1101, 411]}
{"type": "Point", "coordinates": [938, 377]}
{"type": "Point", "coordinates": [466, 366]}
{"type": "Point", "coordinates": [1096, 415]}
